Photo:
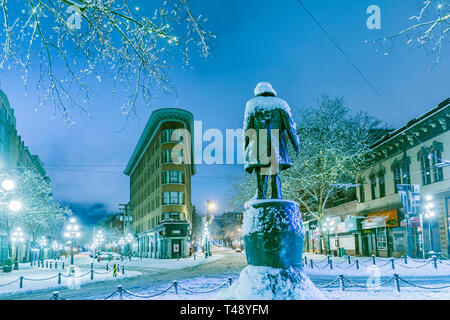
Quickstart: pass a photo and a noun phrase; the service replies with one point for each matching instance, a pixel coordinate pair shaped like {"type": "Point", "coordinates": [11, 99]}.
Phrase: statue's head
{"type": "Point", "coordinates": [265, 89]}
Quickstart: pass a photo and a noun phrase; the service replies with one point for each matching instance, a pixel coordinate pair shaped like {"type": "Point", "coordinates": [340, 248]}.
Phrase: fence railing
{"type": "Point", "coordinates": [342, 282]}
{"type": "Point", "coordinates": [113, 270]}
{"type": "Point", "coordinates": [120, 291]}
{"type": "Point", "coordinates": [353, 262]}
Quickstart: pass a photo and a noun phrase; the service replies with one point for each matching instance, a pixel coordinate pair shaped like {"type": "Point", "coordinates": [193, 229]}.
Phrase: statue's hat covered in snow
{"type": "Point", "coordinates": [264, 88]}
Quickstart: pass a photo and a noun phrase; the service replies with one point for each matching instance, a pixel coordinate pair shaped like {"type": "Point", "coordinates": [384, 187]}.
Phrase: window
{"type": "Point", "coordinates": [173, 197]}
{"type": "Point", "coordinates": [437, 171]}
{"type": "Point", "coordinates": [373, 187]}
{"type": "Point", "coordinates": [397, 177]}
{"type": "Point", "coordinates": [382, 184]}
{"type": "Point", "coordinates": [173, 176]}
{"type": "Point", "coordinates": [362, 196]}
{"type": "Point", "coordinates": [172, 135]}
{"type": "Point", "coordinates": [166, 156]}
{"type": "Point", "coordinates": [426, 169]}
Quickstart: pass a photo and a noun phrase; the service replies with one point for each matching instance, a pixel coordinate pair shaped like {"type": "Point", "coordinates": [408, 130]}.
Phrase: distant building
{"type": "Point", "coordinates": [160, 185]}
{"type": "Point", "coordinates": [418, 154]}
{"type": "Point", "coordinates": [13, 155]}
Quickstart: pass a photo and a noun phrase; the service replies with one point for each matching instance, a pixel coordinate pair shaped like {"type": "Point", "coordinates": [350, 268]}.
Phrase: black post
{"type": "Point", "coordinates": [175, 286]}
{"type": "Point", "coordinates": [397, 282]}
{"type": "Point", "coordinates": [59, 278]}
{"type": "Point", "coordinates": [348, 258]}
{"type": "Point", "coordinates": [357, 264]}
{"type": "Point", "coordinates": [373, 259]}
{"type": "Point", "coordinates": [393, 263]}
{"type": "Point", "coordinates": [435, 262]}
{"type": "Point", "coordinates": [406, 258]}
{"type": "Point", "coordinates": [341, 282]}
{"type": "Point", "coordinates": [21, 282]}
{"type": "Point", "coordinates": [119, 289]}
{"type": "Point", "coordinates": [230, 281]}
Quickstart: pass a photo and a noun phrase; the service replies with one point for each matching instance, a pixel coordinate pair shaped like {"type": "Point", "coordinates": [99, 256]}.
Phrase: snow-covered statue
{"type": "Point", "coordinates": [272, 228]}
{"type": "Point", "coordinates": [267, 122]}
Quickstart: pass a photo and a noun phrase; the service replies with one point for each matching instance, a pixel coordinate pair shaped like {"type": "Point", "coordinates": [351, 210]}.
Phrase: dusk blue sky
{"type": "Point", "coordinates": [257, 40]}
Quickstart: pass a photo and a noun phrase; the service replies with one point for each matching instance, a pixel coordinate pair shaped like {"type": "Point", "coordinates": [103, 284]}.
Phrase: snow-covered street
{"type": "Point", "coordinates": [148, 277]}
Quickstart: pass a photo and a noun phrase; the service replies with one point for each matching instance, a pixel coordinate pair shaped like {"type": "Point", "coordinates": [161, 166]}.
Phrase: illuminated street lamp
{"type": "Point", "coordinates": [328, 226]}
{"type": "Point", "coordinates": [429, 215]}
{"type": "Point", "coordinates": [72, 232]}
{"type": "Point", "coordinates": [17, 238]}
{"type": "Point", "coordinates": [8, 185]}
{"type": "Point", "coordinates": [210, 206]}
{"type": "Point", "coordinates": [42, 245]}
{"type": "Point", "coordinates": [129, 241]}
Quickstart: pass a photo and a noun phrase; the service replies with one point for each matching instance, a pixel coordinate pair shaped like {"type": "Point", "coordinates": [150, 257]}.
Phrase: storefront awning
{"type": "Point", "coordinates": [388, 219]}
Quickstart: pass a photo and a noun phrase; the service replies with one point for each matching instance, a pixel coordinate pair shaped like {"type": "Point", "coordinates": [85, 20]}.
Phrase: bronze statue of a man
{"type": "Point", "coordinates": [267, 121]}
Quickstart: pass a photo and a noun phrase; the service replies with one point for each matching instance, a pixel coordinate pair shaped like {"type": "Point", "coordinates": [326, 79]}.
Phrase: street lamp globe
{"type": "Point", "coordinates": [15, 205]}
{"type": "Point", "coordinates": [8, 185]}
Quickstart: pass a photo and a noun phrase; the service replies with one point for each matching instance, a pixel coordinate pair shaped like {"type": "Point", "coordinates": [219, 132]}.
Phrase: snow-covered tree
{"type": "Point", "coordinates": [76, 42]}
{"type": "Point", "coordinates": [334, 144]}
{"type": "Point", "coordinates": [429, 29]}
{"type": "Point", "coordinates": [40, 215]}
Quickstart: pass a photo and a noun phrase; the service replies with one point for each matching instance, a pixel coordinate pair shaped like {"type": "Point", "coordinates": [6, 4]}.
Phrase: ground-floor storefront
{"type": "Point", "coordinates": [168, 240]}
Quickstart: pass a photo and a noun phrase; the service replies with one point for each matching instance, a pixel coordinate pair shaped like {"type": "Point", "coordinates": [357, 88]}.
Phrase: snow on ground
{"type": "Point", "coordinates": [9, 282]}
{"type": "Point", "coordinates": [36, 278]}
{"type": "Point", "coordinates": [383, 266]}
{"type": "Point", "coordinates": [164, 263]}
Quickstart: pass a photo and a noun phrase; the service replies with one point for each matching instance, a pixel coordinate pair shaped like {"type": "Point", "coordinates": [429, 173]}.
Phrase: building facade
{"type": "Point", "coordinates": [160, 171]}
{"type": "Point", "coordinates": [375, 223]}
{"type": "Point", "coordinates": [15, 155]}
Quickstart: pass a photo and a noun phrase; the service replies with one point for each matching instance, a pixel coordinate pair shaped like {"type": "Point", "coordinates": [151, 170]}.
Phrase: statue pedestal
{"type": "Point", "coordinates": [273, 238]}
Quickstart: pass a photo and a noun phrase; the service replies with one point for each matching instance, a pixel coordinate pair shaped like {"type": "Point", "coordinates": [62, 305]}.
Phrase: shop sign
{"type": "Point", "coordinates": [352, 223]}
{"type": "Point", "coordinates": [313, 224]}
{"type": "Point", "coordinates": [388, 219]}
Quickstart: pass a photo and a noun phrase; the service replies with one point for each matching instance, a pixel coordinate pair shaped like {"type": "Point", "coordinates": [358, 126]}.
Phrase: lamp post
{"type": "Point", "coordinates": [122, 244]}
{"type": "Point", "coordinates": [129, 241]}
{"type": "Point", "coordinates": [328, 226]}
{"type": "Point", "coordinates": [72, 232]}
{"type": "Point", "coordinates": [42, 245]}
{"type": "Point", "coordinates": [99, 238]}
{"type": "Point", "coordinates": [210, 206]}
{"type": "Point", "coordinates": [17, 238]}
{"type": "Point", "coordinates": [55, 246]}
{"type": "Point", "coordinates": [429, 215]}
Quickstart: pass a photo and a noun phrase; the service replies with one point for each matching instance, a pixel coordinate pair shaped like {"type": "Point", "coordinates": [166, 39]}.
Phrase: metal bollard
{"type": "Point", "coordinates": [329, 258]}
{"type": "Point", "coordinates": [406, 259]}
{"type": "Point", "coordinates": [349, 261]}
{"type": "Point", "coordinates": [230, 281]}
{"type": "Point", "coordinates": [373, 259]}
{"type": "Point", "coordinates": [393, 263]}
{"type": "Point", "coordinates": [341, 282]}
{"type": "Point", "coordinates": [396, 282]}
{"type": "Point", "coordinates": [175, 286]}
{"type": "Point", "coordinates": [357, 264]}
{"type": "Point", "coordinates": [107, 267]}
{"type": "Point", "coordinates": [59, 277]}
{"type": "Point", "coordinates": [331, 264]}
{"type": "Point", "coordinates": [92, 274]}
{"type": "Point", "coordinates": [311, 263]}
{"type": "Point", "coordinates": [119, 290]}
{"type": "Point", "coordinates": [21, 282]}
{"type": "Point", "coordinates": [46, 264]}
{"type": "Point", "coordinates": [92, 265]}
{"type": "Point", "coordinates": [194, 256]}
{"type": "Point", "coordinates": [63, 265]}
{"type": "Point", "coordinates": [51, 265]}
{"type": "Point", "coordinates": [306, 261]}
{"type": "Point", "coordinates": [123, 269]}
{"type": "Point", "coordinates": [56, 265]}
{"type": "Point", "coordinates": [435, 262]}
{"type": "Point", "coordinates": [55, 295]}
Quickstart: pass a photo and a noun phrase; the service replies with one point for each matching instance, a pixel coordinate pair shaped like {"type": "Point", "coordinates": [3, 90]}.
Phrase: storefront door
{"type": "Point", "coordinates": [176, 248]}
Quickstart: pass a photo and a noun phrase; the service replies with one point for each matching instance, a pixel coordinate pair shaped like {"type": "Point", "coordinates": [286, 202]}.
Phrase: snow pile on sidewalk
{"type": "Point", "coordinates": [265, 283]}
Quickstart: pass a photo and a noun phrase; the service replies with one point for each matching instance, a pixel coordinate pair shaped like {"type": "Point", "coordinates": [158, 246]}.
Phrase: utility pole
{"type": "Point", "coordinates": [125, 210]}
{"type": "Point", "coordinates": [406, 181]}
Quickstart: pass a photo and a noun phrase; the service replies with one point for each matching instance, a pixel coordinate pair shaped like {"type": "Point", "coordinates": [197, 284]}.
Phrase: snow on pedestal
{"type": "Point", "coordinates": [273, 237]}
